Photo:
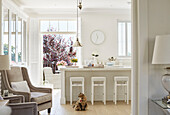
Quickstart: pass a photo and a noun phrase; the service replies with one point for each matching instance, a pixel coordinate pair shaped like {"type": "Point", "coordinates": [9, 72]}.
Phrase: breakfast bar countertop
{"type": "Point", "coordinates": [97, 69]}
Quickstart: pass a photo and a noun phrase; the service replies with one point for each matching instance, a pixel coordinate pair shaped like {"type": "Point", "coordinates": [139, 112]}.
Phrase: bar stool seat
{"type": "Point", "coordinates": [76, 82]}
{"type": "Point", "coordinates": [121, 81]}
{"type": "Point", "coordinates": [103, 84]}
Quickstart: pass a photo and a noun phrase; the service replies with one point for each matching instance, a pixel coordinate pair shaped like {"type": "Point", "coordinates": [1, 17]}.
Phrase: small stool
{"type": "Point", "coordinates": [76, 79]}
{"type": "Point", "coordinates": [122, 81]}
{"type": "Point", "coordinates": [98, 79]}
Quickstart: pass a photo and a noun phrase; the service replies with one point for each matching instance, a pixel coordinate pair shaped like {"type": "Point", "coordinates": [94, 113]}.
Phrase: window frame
{"type": "Point", "coordinates": [65, 32]}
{"type": "Point", "coordinates": [126, 40]}
{"type": "Point", "coordinates": [16, 33]}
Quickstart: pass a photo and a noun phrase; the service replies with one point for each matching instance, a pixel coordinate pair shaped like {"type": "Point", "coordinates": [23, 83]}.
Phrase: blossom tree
{"type": "Point", "coordinates": [56, 48]}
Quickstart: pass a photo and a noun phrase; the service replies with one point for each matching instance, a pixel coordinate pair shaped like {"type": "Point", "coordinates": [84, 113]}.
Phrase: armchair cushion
{"type": "Point", "coordinates": [15, 74]}
{"type": "Point", "coordinates": [40, 97]}
{"type": "Point", "coordinates": [20, 86]}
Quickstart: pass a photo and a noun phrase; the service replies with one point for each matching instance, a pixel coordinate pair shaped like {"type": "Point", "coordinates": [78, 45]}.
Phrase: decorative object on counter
{"type": "Point", "coordinates": [94, 60]}
{"type": "Point", "coordinates": [61, 64]}
{"type": "Point", "coordinates": [161, 55]}
{"type": "Point", "coordinates": [77, 43]}
{"type": "Point", "coordinates": [98, 66]}
{"type": "Point", "coordinates": [97, 37]}
{"type": "Point", "coordinates": [81, 104]}
{"type": "Point", "coordinates": [74, 61]}
{"type": "Point", "coordinates": [110, 63]}
{"type": "Point", "coordinates": [112, 59]}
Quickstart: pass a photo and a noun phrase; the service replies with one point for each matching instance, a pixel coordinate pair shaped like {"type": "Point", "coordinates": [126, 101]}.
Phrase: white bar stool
{"type": "Point", "coordinates": [93, 84]}
{"type": "Point", "coordinates": [122, 81]}
{"type": "Point", "coordinates": [76, 84]}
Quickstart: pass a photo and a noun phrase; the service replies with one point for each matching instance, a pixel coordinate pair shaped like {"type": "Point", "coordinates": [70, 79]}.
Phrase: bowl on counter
{"type": "Point", "coordinates": [110, 63]}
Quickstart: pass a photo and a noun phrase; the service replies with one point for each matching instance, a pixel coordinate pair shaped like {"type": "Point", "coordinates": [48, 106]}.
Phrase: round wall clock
{"type": "Point", "coordinates": [97, 37]}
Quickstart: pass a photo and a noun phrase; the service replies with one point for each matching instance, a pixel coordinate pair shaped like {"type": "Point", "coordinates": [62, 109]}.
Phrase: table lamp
{"type": "Point", "coordinates": [4, 65]}
{"type": "Point", "coordinates": [161, 55]}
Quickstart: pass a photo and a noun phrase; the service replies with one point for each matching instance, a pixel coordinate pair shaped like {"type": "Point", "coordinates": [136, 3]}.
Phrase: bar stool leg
{"type": "Point", "coordinates": [104, 92]}
{"type": "Point", "coordinates": [127, 92]}
{"type": "Point", "coordinates": [92, 100]}
{"type": "Point", "coordinates": [70, 92]}
{"type": "Point", "coordinates": [115, 92]}
{"type": "Point", "coordinates": [83, 87]}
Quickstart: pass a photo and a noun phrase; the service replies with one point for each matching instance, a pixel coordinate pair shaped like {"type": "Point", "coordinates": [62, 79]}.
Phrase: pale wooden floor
{"type": "Point", "coordinates": [97, 109]}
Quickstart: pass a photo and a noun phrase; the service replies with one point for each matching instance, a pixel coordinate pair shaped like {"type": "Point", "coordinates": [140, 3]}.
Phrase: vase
{"type": "Point", "coordinates": [59, 67]}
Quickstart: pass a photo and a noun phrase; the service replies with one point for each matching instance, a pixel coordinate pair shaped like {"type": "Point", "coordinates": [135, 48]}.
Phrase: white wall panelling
{"type": "Point", "coordinates": [159, 24]}
{"type": "Point", "coordinates": [34, 52]}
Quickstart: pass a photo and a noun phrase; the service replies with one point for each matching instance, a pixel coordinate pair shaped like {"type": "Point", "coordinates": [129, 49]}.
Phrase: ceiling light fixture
{"type": "Point", "coordinates": [79, 6]}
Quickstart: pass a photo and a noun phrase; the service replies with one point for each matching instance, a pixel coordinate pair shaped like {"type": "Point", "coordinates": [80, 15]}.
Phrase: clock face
{"type": "Point", "coordinates": [97, 37]}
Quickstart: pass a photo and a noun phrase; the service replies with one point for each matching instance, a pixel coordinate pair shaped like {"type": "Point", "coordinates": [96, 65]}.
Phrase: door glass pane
{"type": "Point", "coordinates": [13, 44]}
{"type": "Point", "coordinates": [122, 39]}
{"type": "Point", "coordinates": [53, 26]}
{"type": "Point", "coordinates": [19, 39]}
{"type": "Point", "coordinates": [19, 47]}
{"type": "Point", "coordinates": [72, 26]}
{"type": "Point", "coordinates": [19, 24]}
{"type": "Point", "coordinates": [5, 30]}
{"type": "Point", "coordinates": [129, 39]}
{"type": "Point", "coordinates": [63, 26]}
{"type": "Point", "coordinates": [45, 26]}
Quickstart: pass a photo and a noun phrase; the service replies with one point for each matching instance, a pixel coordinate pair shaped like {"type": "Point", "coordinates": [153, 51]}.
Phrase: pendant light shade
{"type": "Point", "coordinates": [77, 43]}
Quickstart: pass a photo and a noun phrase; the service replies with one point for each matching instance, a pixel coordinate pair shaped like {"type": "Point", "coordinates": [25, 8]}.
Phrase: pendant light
{"type": "Point", "coordinates": [77, 43]}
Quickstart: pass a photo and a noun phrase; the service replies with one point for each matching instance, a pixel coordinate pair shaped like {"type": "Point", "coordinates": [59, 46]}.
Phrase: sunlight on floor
{"type": "Point", "coordinates": [97, 109]}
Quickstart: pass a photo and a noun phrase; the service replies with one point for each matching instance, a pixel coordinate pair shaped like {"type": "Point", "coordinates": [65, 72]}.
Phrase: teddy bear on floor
{"type": "Point", "coordinates": [81, 104]}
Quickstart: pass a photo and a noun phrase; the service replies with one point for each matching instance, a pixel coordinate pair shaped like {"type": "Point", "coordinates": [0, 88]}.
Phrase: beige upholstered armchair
{"type": "Point", "coordinates": [42, 96]}
{"type": "Point", "coordinates": [18, 107]}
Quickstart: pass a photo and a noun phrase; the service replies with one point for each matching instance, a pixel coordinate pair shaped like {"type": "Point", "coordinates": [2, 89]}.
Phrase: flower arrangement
{"type": "Point", "coordinates": [56, 48]}
{"type": "Point", "coordinates": [95, 54]}
{"type": "Point", "coordinates": [74, 60]}
{"type": "Point", "coordinates": [61, 63]}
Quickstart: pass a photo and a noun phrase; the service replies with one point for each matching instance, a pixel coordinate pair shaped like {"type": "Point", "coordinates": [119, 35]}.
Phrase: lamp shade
{"type": "Point", "coordinates": [77, 43]}
{"type": "Point", "coordinates": [4, 62]}
{"type": "Point", "coordinates": [161, 54]}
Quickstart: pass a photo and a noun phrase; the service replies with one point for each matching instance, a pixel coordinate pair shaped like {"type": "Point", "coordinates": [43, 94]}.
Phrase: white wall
{"type": "Point", "coordinates": [35, 62]}
{"type": "Point", "coordinates": [159, 23]}
{"type": "Point", "coordinates": [106, 22]}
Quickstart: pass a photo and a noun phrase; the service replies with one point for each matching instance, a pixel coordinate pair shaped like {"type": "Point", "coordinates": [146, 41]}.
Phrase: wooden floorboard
{"type": "Point", "coordinates": [97, 109]}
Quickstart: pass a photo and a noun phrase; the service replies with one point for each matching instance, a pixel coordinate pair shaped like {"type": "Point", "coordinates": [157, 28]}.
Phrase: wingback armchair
{"type": "Point", "coordinates": [42, 96]}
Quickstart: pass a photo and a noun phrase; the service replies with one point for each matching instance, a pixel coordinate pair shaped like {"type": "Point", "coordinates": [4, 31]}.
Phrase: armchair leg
{"type": "Point", "coordinates": [49, 110]}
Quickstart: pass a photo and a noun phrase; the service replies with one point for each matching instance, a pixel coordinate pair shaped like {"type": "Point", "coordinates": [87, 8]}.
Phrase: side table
{"type": "Point", "coordinates": [4, 102]}
{"type": "Point", "coordinates": [157, 107]}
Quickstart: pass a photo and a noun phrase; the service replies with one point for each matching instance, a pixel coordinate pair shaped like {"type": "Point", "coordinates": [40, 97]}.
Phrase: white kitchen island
{"type": "Point", "coordinates": [87, 73]}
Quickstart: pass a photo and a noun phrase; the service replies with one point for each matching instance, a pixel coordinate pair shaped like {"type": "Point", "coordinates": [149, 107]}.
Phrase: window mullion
{"type": "Point", "coordinates": [9, 34]}
{"type": "Point", "coordinates": [16, 38]}
{"type": "Point", "coordinates": [22, 40]}
{"type": "Point", "coordinates": [126, 38]}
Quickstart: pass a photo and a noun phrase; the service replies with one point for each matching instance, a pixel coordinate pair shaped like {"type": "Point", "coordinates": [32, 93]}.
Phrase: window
{"type": "Point", "coordinates": [14, 37]}
{"type": "Point", "coordinates": [124, 39]}
{"type": "Point", "coordinates": [58, 38]}
{"type": "Point", "coordinates": [5, 30]}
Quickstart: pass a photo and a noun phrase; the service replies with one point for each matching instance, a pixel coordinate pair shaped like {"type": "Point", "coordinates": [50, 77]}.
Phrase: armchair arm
{"type": "Point", "coordinates": [29, 108]}
{"type": "Point", "coordinates": [15, 99]}
{"type": "Point", "coordinates": [40, 89]}
{"type": "Point", "coordinates": [25, 94]}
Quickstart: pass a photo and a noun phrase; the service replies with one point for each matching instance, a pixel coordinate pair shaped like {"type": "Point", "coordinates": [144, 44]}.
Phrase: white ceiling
{"type": "Point", "coordinates": [45, 6]}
